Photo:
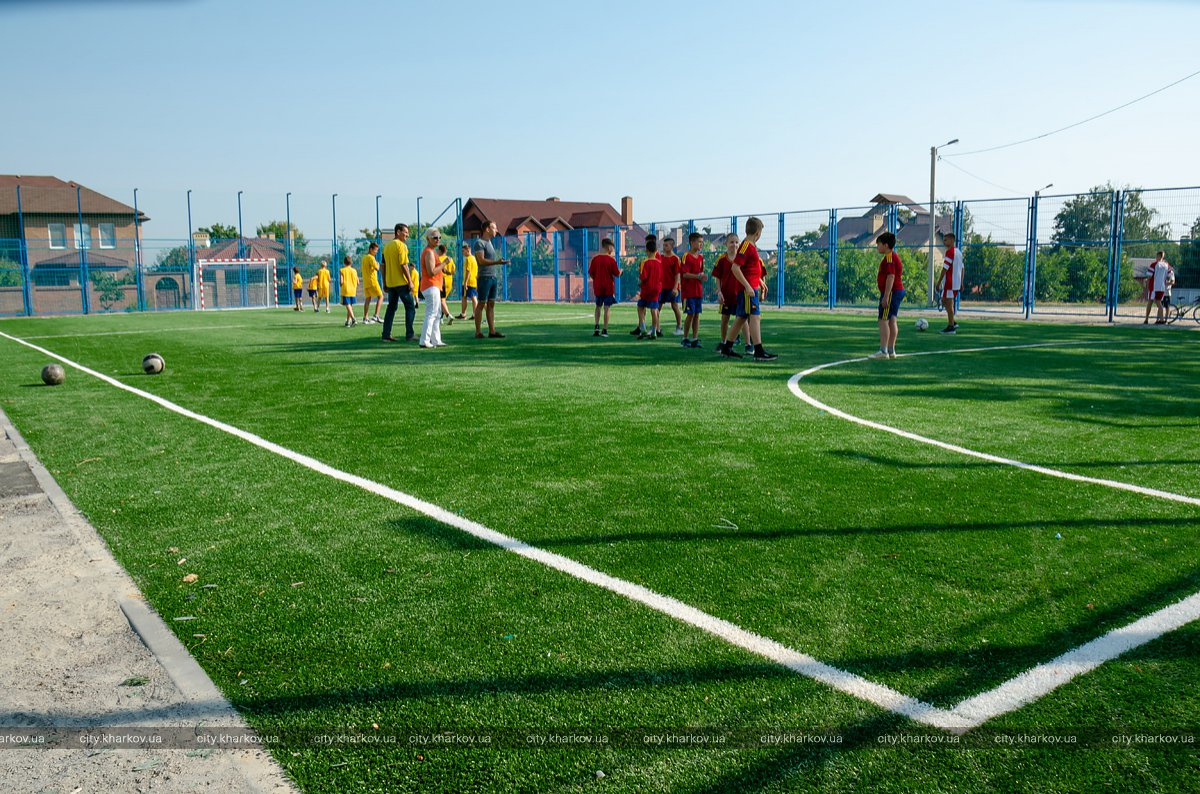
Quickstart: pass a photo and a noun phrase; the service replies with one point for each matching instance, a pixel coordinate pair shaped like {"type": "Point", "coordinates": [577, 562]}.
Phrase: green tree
{"type": "Point", "coordinates": [278, 230]}
{"type": "Point", "coordinates": [109, 289]}
{"type": "Point", "coordinates": [219, 231]}
{"type": "Point", "coordinates": [10, 273]}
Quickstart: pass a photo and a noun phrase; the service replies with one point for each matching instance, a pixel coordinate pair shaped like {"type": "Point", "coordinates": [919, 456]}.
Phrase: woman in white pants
{"type": "Point", "coordinates": [431, 282]}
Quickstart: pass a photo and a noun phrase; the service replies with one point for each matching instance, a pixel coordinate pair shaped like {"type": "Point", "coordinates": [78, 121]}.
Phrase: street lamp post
{"type": "Point", "coordinates": [287, 201]}
{"type": "Point", "coordinates": [241, 237]}
{"type": "Point", "coordinates": [933, 151]}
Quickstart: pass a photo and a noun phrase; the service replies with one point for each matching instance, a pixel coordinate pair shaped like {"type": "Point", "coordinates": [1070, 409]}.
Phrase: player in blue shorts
{"type": "Point", "coordinates": [691, 287]}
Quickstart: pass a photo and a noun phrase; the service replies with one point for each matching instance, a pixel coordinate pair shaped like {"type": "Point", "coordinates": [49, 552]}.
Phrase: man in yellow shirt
{"type": "Point", "coordinates": [371, 288]}
{"type": "Point", "coordinates": [323, 277]}
{"type": "Point", "coordinates": [470, 281]}
{"type": "Point", "coordinates": [348, 281]}
{"type": "Point", "coordinates": [397, 280]}
{"type": "Point", "coordinates": [447, 281]}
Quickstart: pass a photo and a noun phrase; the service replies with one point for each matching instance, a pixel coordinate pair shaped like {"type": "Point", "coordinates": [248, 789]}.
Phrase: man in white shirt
{"type": "Point", "coordinates": [1159, 279]}
{"type": "Point", "coordinates": [950, 280]}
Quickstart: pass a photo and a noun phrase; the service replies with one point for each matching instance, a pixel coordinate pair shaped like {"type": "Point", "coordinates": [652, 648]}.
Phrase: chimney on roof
{"type": "Point", "coordinates": [627, 210]}
{"type": "Point", "coordinates": [552, 198]}
{"type": "Point", "coordinates": [200, 239]}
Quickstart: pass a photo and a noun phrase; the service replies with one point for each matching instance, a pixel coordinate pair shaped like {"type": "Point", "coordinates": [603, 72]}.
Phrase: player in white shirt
{"type": "Point", "coordinates": [950, 280]}
{"type": "Point", "coordinates": [1159, 278]}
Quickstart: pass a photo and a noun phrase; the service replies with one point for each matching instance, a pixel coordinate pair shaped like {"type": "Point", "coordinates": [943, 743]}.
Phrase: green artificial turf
{"type": "Point", "coordinates": [935, 573]}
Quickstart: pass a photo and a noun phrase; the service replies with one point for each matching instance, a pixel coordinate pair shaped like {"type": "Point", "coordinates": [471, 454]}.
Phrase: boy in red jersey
{"type": "Point", "coordinates": [691, 287]}
{"type": "Point", "coordinates": [604, 271]}
{"type": "Point", "coordinates": [747, 270]}
{"type": "Point", "coordinates": [891, 291]}
{"type": "Point", "coordinates": [650, 279]}
{"type": "Point", "coordinates": [670, 283]}
{"type": "Point", "coordinates": [950, 281]}
{"type": "Point", "coordinates": [726, 285]}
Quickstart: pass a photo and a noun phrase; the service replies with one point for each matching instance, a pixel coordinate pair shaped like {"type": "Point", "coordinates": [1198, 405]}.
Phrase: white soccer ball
{"type": "Point", "coordinates": [922, 324]}
{"type": "Point", "coordinates": [153, 364]}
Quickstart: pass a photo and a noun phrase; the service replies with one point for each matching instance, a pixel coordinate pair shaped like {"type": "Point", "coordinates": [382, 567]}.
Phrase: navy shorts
{"type": "Point", "coordinates": [693, 305]}
{"type": "Point", "coordinates": [668, 296]}
{"type": "Point", "coordinates": [312, 293]}
{"type": "Point", "coordinates": [605, 300]}
{"type": "Point", "coordinates": [471, 292]}
{"type": "Point", "coordinates": [747, 304]}
{"type": "Point", "coordinates": [894, 308]}
{"type": "Point", "coordinates": [348, 301]}
{"type": "Point", "coordinates": [727, 310]}
{"type": "Point", "coordinates": [298, 294]}
{"type": "Point", "coordinates": [644, 304]}
{"type": "Point", "coordinates": [489, 288]}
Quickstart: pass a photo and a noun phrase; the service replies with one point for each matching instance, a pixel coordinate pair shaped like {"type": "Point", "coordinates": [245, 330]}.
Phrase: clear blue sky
{"type": "Point", "coordinates": [694, 108]}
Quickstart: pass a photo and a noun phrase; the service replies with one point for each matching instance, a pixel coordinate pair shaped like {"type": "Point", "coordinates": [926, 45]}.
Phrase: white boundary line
{"type": "Point", "coordinates": [1044, 678]}
{"type": "Point", "coordinates": [794, 385]}
{"type": "Point", "coordinates": [878, 694]}
{"type": "Point", "coordinates": [970, 713]}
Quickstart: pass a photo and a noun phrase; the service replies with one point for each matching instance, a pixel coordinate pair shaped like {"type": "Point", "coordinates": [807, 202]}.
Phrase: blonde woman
{"type": "Point", "coordinates": [431, 290]}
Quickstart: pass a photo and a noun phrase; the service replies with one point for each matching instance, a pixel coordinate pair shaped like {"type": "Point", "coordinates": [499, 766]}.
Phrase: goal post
{"type": "Point", "coordinates": [236, 284]}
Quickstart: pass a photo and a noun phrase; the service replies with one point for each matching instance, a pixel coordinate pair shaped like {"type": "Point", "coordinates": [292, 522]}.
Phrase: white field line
{"type": "Point", "coordinates": [1041, 680]}
{"type": "Point", "coordinates": [878, 694]}
{"type": "Point", "coordinates": [134, 333]}
{"type": "Point", "coordinates": [794, 385]}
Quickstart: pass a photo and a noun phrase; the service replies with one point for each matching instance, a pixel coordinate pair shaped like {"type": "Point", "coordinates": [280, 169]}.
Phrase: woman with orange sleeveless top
{"type": "Point", "coordinates": [431, 291]}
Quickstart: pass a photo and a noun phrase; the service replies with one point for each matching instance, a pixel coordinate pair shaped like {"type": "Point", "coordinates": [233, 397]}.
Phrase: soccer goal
{"type": "Point", "coordinates": [236, 284]}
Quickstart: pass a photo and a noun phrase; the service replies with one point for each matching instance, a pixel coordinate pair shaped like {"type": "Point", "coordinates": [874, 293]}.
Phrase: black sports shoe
{"type": "Point", "coordinates": [604, 333]}
{"type": "Point", "coordinates": [637, 331]}
{"type": "Point", "coordinates": [658, 332]}
{"type": "Point", "coordinates": [596, 332]}
{"type": "Point", "coordinates": [730, 353]}
{"type": "Point", "coordinates": [763, 355]}
{"type": "Point", "coordinates": [646, 336]}
{"type": "Point", "coordinates": [720, 346]}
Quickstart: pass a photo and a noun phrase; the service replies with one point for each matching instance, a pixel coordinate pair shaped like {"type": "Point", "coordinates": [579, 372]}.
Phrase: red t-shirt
{"type": "Point", "coordinates": [670, 270]}
{"type": "Point", "coordinates": [690, 287]}
{"type": "Point", "coordinates": [890, 265]}
{"type": "Point", "coordinates": [752, 268]}
{"type": "Point", "coordinates": [603, 271]}
{"type": "Point", "coordinates": [723, 273]}
{"type": "Point", "coordinates": [651, 278]}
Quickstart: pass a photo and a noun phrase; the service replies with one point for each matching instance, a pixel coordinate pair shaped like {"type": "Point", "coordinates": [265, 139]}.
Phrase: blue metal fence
{"type": "Point", "coordinates": [1080, 254]}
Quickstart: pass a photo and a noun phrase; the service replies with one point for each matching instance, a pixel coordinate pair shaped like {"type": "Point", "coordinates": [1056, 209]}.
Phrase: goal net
{"type": "Point", "coordinates": [236, 284]}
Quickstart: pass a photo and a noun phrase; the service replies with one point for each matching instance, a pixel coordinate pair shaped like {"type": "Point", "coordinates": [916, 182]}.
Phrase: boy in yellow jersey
{"type": "Point", "coordinates": [297, 290]}
{"type": "Point", "coordinates": [371, 290]}
{"type": "Point", "coordinates": [348, 281]}
{"type": "Point", "coordinates": [312, 291]}
{"type": "Point", "coordinates": [323, 279]}
{"type": "Point", "coordinates": [399, 287]}
{"type": "Point", "coordinates": [447, 282]}
{"type": "Point", "coordinates": [470, 282]}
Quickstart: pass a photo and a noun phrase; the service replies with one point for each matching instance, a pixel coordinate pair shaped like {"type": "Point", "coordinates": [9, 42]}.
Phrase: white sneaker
{"type": "Point", "coordinates": [440, 344]}
{"type": "Point", "coordinates": [678, 330]}
{"type": "Point", "coordinates": [327, 310]}
{"type": "Point", "coordinates": [878, 354]}
{"type": "Point", "coordinates": [891, 354]}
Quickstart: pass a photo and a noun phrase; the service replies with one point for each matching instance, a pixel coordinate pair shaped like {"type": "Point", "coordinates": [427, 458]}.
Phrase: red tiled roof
{"type": "Point", "coordinates": [252, 248]}
{"type": "Point", "coordinates": [51, 195]}
{"type": "Point", "coordinates": [94, 260]}
{"type": "Point", "coordinates": [509, 213]}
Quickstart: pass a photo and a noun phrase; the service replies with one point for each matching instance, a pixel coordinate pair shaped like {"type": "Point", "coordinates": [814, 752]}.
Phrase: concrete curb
{"type": "Point", "coordinates": [204, 700]}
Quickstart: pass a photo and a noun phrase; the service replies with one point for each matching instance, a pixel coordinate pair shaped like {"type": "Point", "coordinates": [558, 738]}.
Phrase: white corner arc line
{"type": "Point", "coordinates": [1044, 678]}
{"type": "Point", "coordinates": [841, 680]}
{"type": "Point", "coordinates": [794, 385]}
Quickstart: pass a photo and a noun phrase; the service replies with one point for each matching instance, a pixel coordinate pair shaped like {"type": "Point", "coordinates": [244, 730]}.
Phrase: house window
{"type": "Point", "coordinates": [83, 235]}
{"type": "Point", "coordinates": [58, 235]}
{"type": "Point", "coordinates": [108, 235]}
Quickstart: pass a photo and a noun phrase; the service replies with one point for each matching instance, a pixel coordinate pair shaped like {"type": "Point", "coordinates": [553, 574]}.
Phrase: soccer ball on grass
{"type": "Point", "coordinates": [53, 375]}
{"type": "Point", "coordinates": [922, 324]}
{"type": "Point", "coordinates": [153, 364]}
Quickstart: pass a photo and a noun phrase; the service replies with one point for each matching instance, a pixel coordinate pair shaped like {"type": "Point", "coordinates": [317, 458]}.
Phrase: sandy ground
{"type": "Point", "coordinates": [67, 654]}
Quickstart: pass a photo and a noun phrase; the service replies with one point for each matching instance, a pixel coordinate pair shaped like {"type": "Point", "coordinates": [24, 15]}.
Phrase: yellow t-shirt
{"type": "Point", "coordinates": [370, 277]}
{"type": "Point", "coordinates": [448, 275]}
{"type": "Point", "coordinates": [312, 284]}
{"type": "Point", "coordinates": [472, 277]}
{"type": "Point", "coordinates": [297, 281]}
{"type": "Point", "coordinates": [323, 283]}
{"type": "Point", "coordinates": [395, 264]}
{"type": "Point", "coordinates": [414, 278]}
{"type": "Point", "coordinates": [348, 281]}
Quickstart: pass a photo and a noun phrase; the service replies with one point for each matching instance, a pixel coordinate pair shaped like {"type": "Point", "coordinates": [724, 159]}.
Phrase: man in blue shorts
{"type": "Point", "coordinates": [490, 273]}
{"type": "Point", "coordinates": [891, 292]}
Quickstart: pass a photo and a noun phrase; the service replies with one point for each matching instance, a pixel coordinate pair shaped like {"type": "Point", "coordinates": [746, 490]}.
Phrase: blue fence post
{"type": "Point", "coordinates": [504, 267]}
{"type": "Point", "coordinates": [833, 250]}
{"type": "Point", "coordinates": [529, 265]}
{"type": "Point", "coordinates": [617, 250]}
{"type": "Point", "coordinates": [1031, 256]}
{"type": "Point", "coordinates": [1115, 247]}
{"type": "Point", "coordinates": [584, 250]}
{"type": "Point", "coordinates": [82, 242]}
{"type": "Point", "coordinates": [192, 254]}
{"type": "Point", "coordinates": [959, 220]}
{"type": "Point", "coordinates": [335, 264]}
{"type": "Point", "coordinates": [287, 246]}
{"type": "Point", "coordinates": [23, 258]}
{"type": "Point", "coordinates": [137, 255]}
{"type": "Point", "coordinates": [781, 255]}
{"type": "Point", "coordinates": [555, 241]}
{"type": "Point", "coordinates": [458, 230]}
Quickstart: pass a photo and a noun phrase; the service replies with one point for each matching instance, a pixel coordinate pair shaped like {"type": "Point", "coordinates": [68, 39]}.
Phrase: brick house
{"type": "Point", "coordinates": [913, 231]}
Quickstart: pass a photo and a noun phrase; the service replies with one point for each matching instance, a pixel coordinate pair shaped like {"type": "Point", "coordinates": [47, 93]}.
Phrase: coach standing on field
{"type": "Point", "coordinates": [398, 284]}
{"type": "Point", "coordinates": [489, 281]}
